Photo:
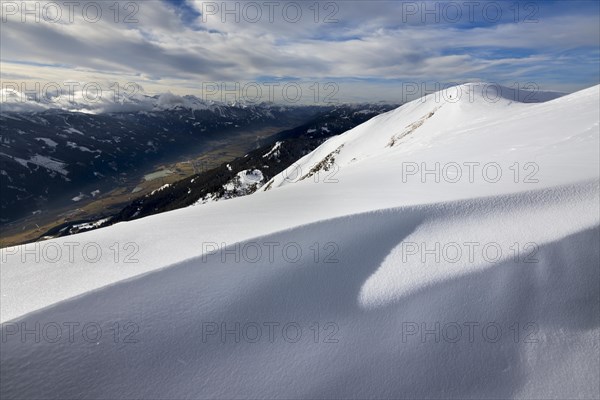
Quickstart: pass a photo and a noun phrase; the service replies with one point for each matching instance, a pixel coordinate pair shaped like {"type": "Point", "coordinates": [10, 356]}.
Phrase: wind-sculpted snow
{"type": "Point", "coordinates": [365, 347]}
{"type": "Point", "coordinates": [365, 279]}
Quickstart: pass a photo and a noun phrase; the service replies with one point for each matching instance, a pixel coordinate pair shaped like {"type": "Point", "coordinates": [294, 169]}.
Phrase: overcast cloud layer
{"type": "Point", "coordinates": [371, 50]}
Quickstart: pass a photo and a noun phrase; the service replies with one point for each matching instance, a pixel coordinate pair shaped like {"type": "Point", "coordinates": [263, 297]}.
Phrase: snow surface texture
{"type": "Point", "coordinates": [365, 316]}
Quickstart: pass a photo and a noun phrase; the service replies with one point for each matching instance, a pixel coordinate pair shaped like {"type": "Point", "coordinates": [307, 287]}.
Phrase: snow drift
{"type": "Point", "coordinates": [446, 249]}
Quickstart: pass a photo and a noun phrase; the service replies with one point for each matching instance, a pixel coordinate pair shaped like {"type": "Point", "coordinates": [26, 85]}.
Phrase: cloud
{"type": "Point", "coordinates": [177, 45]}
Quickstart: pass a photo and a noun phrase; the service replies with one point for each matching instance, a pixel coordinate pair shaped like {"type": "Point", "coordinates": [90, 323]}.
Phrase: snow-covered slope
{"type": "Point", "coordinates": [364, 279]}
{"type": "Point", "coordinates": [477, 125]}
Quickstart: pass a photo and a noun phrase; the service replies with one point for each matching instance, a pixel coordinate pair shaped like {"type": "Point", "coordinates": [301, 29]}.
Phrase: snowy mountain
{"type": "Point", "coordinates": [111, 101]}
{"type": "Point", "coordinates": [445, 249]}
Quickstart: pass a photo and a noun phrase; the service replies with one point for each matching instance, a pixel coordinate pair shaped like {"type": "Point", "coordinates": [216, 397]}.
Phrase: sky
{"type": "Point", "coordinates": [306, 52]}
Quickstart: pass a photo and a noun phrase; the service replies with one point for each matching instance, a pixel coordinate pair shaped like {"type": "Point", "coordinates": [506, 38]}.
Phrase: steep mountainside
{"type": "Point", "coordinates": [52, 156]}
{"type": "Point", "coordinates": [247, 174]}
